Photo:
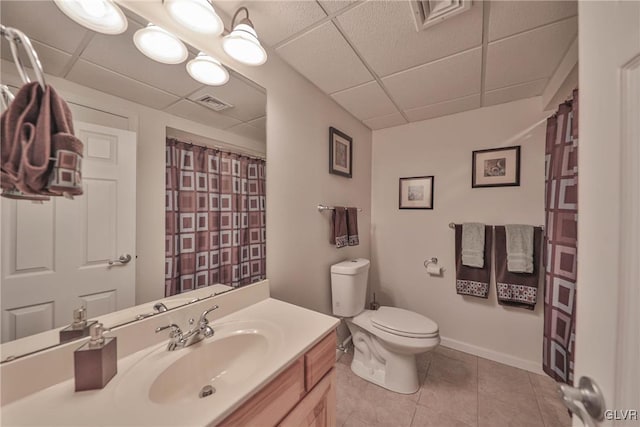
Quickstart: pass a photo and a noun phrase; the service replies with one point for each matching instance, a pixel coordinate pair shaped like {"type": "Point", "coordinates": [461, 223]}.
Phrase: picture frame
{"type": "Point", "coordinates": [340, 153]}
{"type": "Point", "coordinates": [496, 167]}
{"type": "Point", "coordinates": [416, 192]}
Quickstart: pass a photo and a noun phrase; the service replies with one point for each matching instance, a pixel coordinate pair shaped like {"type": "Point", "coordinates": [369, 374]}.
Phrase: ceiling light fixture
{"type": "Point", "coordinates": [207, 70]}
{"type": "Point", "coordinates": [197, 15]}
{"type": "Point", "coordinates": [160, 45]}
{"type": "Point", "coordinates": [103, 16]}
{"type": "Point", "coordinates": [242, 43]}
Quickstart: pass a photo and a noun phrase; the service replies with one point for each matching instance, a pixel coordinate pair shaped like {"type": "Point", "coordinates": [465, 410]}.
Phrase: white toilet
{"type": "Point", "coordinates": [385, 340]}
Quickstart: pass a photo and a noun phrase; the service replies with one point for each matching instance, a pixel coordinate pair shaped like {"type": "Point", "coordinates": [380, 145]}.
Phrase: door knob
{"type": "Point", "coordinates": [123, 259]}
{"type": "Point", "coordinates": [590, 397]}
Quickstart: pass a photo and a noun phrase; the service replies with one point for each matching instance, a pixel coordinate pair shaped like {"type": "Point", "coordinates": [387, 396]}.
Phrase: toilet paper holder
{"type": "Point", "coordinates": [433, 260]}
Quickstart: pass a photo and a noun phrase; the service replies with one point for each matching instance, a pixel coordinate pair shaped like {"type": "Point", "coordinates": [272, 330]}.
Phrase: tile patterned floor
{"type": "Point", "coordinates": [457, 390]}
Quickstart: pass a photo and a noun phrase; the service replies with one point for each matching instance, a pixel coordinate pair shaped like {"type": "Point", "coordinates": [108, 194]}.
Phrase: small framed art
{"type": "Point", "coordinates": [340, 153]}
{"type": "Point", "coordinates": [416, 192]}
{"type": "Point", "coordinates": [496, 167]}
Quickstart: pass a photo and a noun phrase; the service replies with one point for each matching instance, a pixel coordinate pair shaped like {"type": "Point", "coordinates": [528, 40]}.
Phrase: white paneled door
{"type": "Point", "coordinates": [55, 255]}
{"type": "Point", "coordinates": [608, 290]}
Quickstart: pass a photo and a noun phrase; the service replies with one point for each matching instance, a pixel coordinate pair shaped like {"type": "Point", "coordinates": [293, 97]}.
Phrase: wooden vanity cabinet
{"type": "Point", "coordinates": [303, 395]}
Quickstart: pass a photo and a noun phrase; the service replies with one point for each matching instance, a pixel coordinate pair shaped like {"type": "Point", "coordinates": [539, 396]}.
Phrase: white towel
{"type": "Point", "coordinates": [519, 248]}
{"type": "Point", "coordinates": [473, 244]}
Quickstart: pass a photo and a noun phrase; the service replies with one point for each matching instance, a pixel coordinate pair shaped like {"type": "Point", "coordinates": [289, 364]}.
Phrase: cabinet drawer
{"type": "Point", "coordinates": [273, 401]}
{"type": "Point", "coordinates": [318, 407]}
{"type": "Point", "coordinates": [319, 360]}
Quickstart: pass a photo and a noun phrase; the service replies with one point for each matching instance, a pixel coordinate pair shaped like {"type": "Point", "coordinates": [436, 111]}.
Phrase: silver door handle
{"type": "Point", "coordinates": [123, 259]}
{"type": "Point", "coordinates": [586, 401]}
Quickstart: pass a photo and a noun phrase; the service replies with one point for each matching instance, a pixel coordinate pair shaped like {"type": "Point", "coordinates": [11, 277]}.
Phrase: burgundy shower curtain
{"type": "Point", "coordinates": [560, 242]}
{"type": "Point", "coordinates": [215, 218]}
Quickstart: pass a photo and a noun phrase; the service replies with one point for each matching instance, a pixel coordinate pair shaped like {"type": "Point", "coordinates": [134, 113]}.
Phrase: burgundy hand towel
{"type": "Point", "coordinates": [40, 154]}
{"type": "Point", "coordinates": [517, 289]}
{"type": "Point", "coordinates": [339, 235]}
{"type": "Point", "coordinates": [471, 280]}
{"type": "Point", "coordinates": [352, 226]}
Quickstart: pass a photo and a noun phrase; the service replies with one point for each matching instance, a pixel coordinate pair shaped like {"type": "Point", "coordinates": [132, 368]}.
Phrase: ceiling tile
{"type": "Point", "coordinates": [333, 6]}
{"type": "Point", "coordinates": [248, 102]}
{"type": "Point", "coordinates": [274, 21]}
{"type": "Point", "coordinates": [513, 93]}
{"type": "Point", "coordinates": [98, 78]}
{"type": "Point", "coordinates": [444, 108]}
{"type": "Point", "coordinates": [260, 122]}
{"type": "Point", "coordinates": [511, 17]}
{"type": "Point", "coordinates": [449, 78]}
{"type": "Point", "coordinates": [53, 60]}
{"type": "Point", "coordinates": [387, 121]}
{"type": "Point", "coordinates": [528, 56]}
{"type": "Point", "coordinates": [192, 111]}
{"type": "Point", "coordinates": [249, 132]}
{"type": "Point", "coordinates": [43, 21]}
{"type": "Point", "coordinates": [384, 33]}
{"type": "Point", "coordinates": [365, 101]}
{"type": "Point", "coordinates": [324, 57]}
{"type": "Point", "coordinates": [118, 53]}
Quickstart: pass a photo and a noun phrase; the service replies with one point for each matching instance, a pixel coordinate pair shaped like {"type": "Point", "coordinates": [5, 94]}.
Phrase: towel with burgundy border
{"type": "Point", "coordinates": [471, 280]}
{"type": "Point", "coordinates": [339, 233]}
{"type": "Point", "coordinates": [517, 289]}
{"type": "Point", "coordinates": [41, 156]}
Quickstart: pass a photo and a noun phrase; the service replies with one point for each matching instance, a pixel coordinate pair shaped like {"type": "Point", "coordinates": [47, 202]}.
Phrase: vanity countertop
{"type": "Point", "coordinates": [125, 400]}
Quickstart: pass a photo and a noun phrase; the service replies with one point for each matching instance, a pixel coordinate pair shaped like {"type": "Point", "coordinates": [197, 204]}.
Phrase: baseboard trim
{"type": "Point", "coordinates": [496, 356]}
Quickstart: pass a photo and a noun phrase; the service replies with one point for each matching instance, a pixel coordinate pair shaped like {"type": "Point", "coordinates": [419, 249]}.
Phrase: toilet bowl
{"type": "Point", "coordinates": [386, 340]}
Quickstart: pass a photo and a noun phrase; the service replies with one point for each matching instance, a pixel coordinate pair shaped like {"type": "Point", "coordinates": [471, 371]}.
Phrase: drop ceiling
{"type": "Point", "coordinates": [370, 57]}
{"type": "Point", "coordinates": [113, 65]}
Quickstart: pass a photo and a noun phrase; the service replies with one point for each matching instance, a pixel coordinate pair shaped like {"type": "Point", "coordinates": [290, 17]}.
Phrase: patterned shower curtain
{"type": "Point", "coordinates": [215, 218]}
{"type": "Point", "coordinates": [560, 242]}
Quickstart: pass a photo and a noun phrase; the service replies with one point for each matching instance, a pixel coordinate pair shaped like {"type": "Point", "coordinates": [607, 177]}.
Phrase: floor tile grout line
{"type": "Point", "coordinates": [544, 421]}
{"type": "Point", "coordinates": [413, 417]}
{"type": "Point", "coordinates": [477, 392]}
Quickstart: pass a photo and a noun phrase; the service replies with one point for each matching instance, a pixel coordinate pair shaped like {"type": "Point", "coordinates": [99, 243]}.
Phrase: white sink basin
{"type": "Point", "coordinates": [220, 363]}
{"type": "Point", "coordinates": [225, 362]}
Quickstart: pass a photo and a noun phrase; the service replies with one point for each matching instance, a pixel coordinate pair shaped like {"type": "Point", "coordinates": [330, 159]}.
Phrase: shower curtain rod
{"type": "Point", "coordinates": [224, 149]}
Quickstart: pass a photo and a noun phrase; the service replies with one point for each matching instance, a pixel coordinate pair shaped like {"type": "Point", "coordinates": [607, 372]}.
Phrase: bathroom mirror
{"type": "Point", "coordinates": [96, 251]}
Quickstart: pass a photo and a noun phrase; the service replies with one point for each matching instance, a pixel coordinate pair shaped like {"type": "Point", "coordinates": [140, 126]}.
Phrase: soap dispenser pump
{"type": "Point", "coordinates": [96, 362]}
{"type": "Point", "coordinates": [79, 328]}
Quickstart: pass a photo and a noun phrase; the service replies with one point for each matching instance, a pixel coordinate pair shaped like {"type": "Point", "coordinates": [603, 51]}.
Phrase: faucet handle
{"type": "Point", "coordinates": [203, 316]}
{"type": "Point", "coordinates": [175, 329]}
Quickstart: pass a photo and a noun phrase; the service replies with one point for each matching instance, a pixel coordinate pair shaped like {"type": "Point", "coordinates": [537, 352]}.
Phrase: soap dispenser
{"type": "Point", "coordinates": [79, 328]}
{"type": "Point", "coordinates": [96, 362]}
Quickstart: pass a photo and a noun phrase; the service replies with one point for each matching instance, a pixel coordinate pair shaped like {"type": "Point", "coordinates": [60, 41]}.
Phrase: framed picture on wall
{"type": "Point", "coordinates": [496, 167]}
{"type": "Point", "coordinates": [416, 192]}
{"type": "Point", "coordinates": [340, 153]}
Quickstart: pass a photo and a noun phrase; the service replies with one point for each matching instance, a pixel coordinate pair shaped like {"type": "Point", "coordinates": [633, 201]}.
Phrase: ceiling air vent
{"type": "Point", "coordinates": [431, 12]}
{"type": "Point", "coordinates": [213, 103]}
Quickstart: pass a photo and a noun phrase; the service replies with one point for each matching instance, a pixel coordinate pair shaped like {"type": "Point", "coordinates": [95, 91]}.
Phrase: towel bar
{"type": "Point", "coordinates": [331, 208]}
{"type": "Point", "coordinates": [453, 225]}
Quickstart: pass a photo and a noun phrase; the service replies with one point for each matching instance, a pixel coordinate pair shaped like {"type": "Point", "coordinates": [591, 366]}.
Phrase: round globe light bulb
{"type": "Point", "coordinates": [160, 45]}
{"type": "Point", "coordinates": [207, 70]}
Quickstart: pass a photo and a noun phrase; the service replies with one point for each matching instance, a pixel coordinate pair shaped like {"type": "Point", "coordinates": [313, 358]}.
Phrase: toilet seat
{"type": "Point", "coordinates": [403, 323]}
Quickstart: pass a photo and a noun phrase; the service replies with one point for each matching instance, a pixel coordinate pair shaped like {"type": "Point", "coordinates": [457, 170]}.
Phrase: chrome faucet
{"type": "Point", "coordinates": [160, 307]}
{"type": "Point", "coordinates": [178, 339]}
{"type": "Point", "coordinates": [157, 308]}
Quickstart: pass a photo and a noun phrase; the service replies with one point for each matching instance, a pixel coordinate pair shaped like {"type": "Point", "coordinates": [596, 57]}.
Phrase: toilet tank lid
{"type": "Point", "coordinates": [350, 266]}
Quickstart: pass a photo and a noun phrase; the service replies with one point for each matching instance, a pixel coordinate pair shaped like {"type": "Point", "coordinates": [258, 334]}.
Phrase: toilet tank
{"type": "Point", "coordinates": [349, 286]}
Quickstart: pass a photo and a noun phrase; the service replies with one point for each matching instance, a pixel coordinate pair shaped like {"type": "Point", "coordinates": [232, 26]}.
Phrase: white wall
{"type": "Point", "coordinates": [403, 239]}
